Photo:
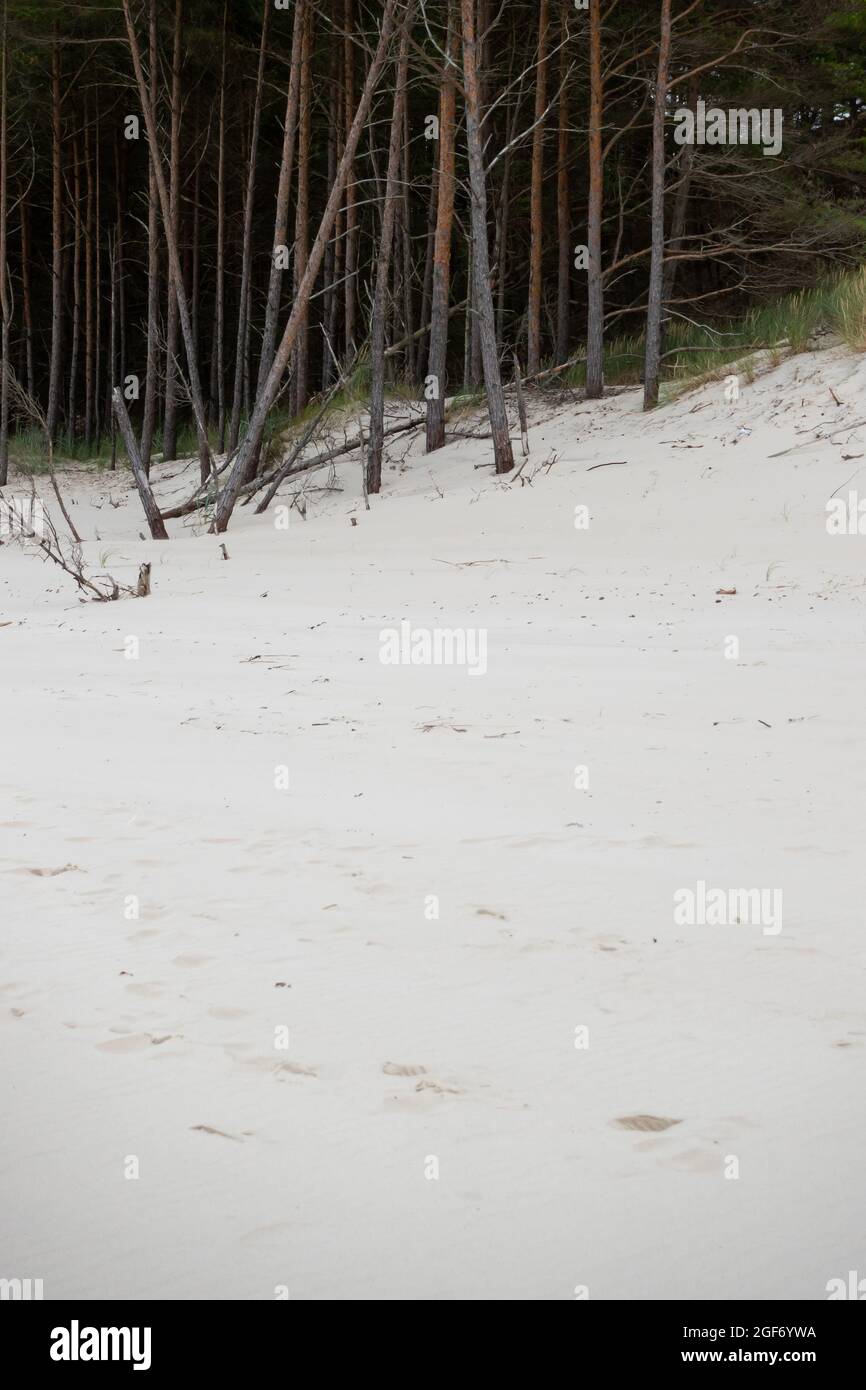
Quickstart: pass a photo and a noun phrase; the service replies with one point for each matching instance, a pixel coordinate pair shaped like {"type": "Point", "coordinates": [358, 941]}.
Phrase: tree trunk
{"type": "Point", "coordinates": [281, 217]}
{"type": "Point", "coordinates": [169, 430]}
{"type": "Point", "coordinates": [536, 212]}
{"type": "Point", "coordinates": [220, 305]}
{"type": "Point", "coordinates": [330, 307]}
{"type": "Point", "coordinates": [377, 334]}
{"type": "Point", "coordinates": [112, 339]}
{"type": "Point", "coordinates": [148, 422]}
{"type": "Point", "coordinates": [88, 288]}
{"type": "Point", "coordinates": [563, 213]}
{"type": "Point", "coordinates": [195, 275]}
{"type": "Point", "coordinates": [142, 481]}
{"type": "Point", "coordinates": [652, 360]}
{"type": "Point", "coordinates": [97, 286]}
{"type": "Point", "coordinates": [351, 234]}
{"type": "Point", "coordinates": [76, 287]}
{"type": "Point", "coordinates": [5, 305]}
{"type": "Point", "coordinates": [404, 209]}
{"type": "Point", "coordinates": [247, 246]}
{"type": "Point", "coordinates": [56, 246]}
{"type": "Point", "coordinates": [25, 291]}
{"type": "Point", "coordinates": [302, 216]}
{"type": "Point", "coordinates": [437, 360]}
{"type": "Point", "coordinates": [427, 287]}
{"type": "Point", "coordinates": [595, 281]}
{"type": "Point", "coordinates": [271, 388]}
{"type": "Point", "coordinates": [504, 459]}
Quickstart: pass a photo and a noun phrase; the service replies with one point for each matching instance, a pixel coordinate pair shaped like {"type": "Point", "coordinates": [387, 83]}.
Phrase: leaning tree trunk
{"type": "Point", "coordinates": [536, 215]}
{"type": "Point", "coordinates": [270, 391]}
{"type": "Point", "coordinates": [377, 334]}
{"type": "Point", "coordinates": [595, 280]}
{"type": "Point", "coordinates": [437, 360]}
{"type": "Point", "coordinates": [652, 359]}
{"type": "Point", "coordinates": [504, 459]}
{"type": "Point", "coordinates": [142, 481]}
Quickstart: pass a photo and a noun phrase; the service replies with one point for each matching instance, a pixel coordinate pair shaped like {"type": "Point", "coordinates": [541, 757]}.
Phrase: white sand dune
{"type": "Point", "coordinates": [411, 1037]}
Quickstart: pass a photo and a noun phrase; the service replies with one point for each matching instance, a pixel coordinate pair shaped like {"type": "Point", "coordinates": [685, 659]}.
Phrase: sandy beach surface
{"type": "Point", "coordinates": [322, 977]}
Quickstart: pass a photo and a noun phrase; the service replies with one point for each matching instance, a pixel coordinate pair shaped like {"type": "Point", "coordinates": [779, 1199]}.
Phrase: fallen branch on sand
{"type": "Point", "coordinates": [282, 472]}
{"type": "Point", "coordinates": [99, 588]}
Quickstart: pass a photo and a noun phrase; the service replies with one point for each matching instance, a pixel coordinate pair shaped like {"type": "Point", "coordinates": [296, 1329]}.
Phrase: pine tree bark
{"type": "Point", "coordinates": [88, 287]}
{"type": "Point", "coordinates": [595, 280]}
{"type": "Point", "coordinates": [56, 362]}
{"type": "Point", "coordinates": [437, 359]}
{"type": "Point", "coordinates": [220, 299]}
{"type": "Point", "coordinates": [536, 212]}
{"type": "Point", "coordinates": [169, 430]}
{"type": "Point", "coordinates": [26, 298]}
{"type": "Point", "coordinates": [142, 481]}
{"type": "Point", "coordinates": [97, 286]}
{"type": "Point", "coordinates": [563, 211]}
{"type": "Point", "coordinates": [148, 421]}
{"type": "Point", "coordinates": [5, 301]}
{"type": "Point", "coordinates": [112, 339]}
{"type": "Point", "coordinates": [652, 359]}
{"type": "Point", "coordinates": [380, 294]}
{"type": "Point", "coordinates": [72, 399]}
{"type": "Point", "coordinates": [331, 301]}
{"type": "Point", "coordinates": [404, 216]}
{"type": "Point", "coordinates": [302, 216]}
{"type": "Point", "coordinates": [247, 244]}
{"type": "Point", "coordinates": [503, 456]}
{"type": "Point", "coordinates": [427, 287]}
{"type": "Point", "coordinates": [281, 216]}
{"type": "Point", "coordinates": [351, 219]}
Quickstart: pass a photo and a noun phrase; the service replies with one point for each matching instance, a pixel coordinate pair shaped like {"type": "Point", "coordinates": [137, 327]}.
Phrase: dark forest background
{"type": "Point", "coordinates": [252, 103]}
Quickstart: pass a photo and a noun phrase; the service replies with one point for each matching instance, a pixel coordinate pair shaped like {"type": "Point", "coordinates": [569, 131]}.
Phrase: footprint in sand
{"type": "Point", "coordinates": [52, 873]}
{"type": "Point", "coordinates": [438, 1089]}
{"type": "Point", "coordinates": [192, 959]}
{"type": "Point", "coordinates": [697, 1161]}
{"type": "Point", "coordinates": [135, 1042]}
{"type": "Point", "coordinates": [402, 1069]}
{"type": "Point", "coordinates": [645, 1124]}
{"type": "Point", "coordinates": [295, 1068]}
{"type": "Point", "coordinates": [209, 1129]}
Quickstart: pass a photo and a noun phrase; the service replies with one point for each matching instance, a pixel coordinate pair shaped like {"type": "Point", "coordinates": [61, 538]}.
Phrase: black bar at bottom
{"type": "Point", "coordinates": [159, 1339]}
